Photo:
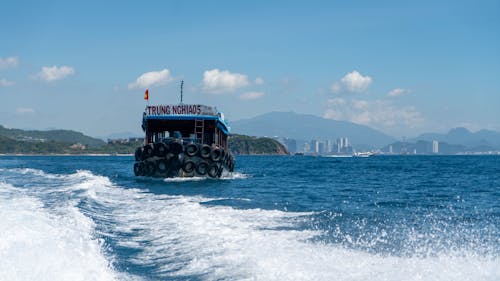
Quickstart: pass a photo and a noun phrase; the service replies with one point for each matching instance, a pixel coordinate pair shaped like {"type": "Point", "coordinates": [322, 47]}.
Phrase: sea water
{"type": "Point", "coordinates": [275, 218]}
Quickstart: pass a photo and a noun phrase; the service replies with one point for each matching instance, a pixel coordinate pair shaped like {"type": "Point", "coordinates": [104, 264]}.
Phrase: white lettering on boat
{"type": "Point", "coordinates": [180, 109]}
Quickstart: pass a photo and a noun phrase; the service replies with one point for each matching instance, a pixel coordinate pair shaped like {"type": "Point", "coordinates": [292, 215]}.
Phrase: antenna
{"type": "Point", "coordinates": [182, 87]}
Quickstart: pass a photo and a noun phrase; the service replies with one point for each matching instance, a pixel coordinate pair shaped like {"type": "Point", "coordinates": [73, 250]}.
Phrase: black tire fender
{"type": "Point", "coordinates": [202, 167]}
{"type": "Point", "coordinates": [150, 168]}
{"type": "Point", "coordinates": [188, 166]}
{"type": "Point", "coordinates": [219, 172]}
{"type": "Point", "coordinates": [138, 154]}
{"type": "Point", "coordinates": [216, 154]}
{"type": "Point", "coordinates": [162, 166]}
{"type": "Point", "coordinates": [231, 165]}
{"type": "Point", "coordinates": [191, 149]}
{"type": "Point", "coordinates": [205, 151]}
{"type": "Point", "coordinates": [176, 147]}
{"type": "Point", "coordinates": [147, 151]}
{"type": "Point", "coordinates": [213, 170]}
{"type": "Point", "coordinates": [139, 169]}
{"type": "Point", "coordinates": [161, 149]}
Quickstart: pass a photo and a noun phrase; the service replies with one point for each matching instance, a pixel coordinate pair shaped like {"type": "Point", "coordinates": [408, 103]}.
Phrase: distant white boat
{"type": "Point", "coordinates": [363, 154]}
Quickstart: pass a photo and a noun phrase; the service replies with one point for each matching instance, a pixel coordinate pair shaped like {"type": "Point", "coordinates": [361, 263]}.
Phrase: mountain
{"type": "Point", "coordinates": [462, 136]}
{"type": "Point", "coordinates": [307, 127]}
{"type": "Point", "coordinates": [61, 136]}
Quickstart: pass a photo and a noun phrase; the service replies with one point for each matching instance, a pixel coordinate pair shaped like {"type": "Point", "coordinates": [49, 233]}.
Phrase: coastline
{"type": "Point", "coordinates": [66, 154]}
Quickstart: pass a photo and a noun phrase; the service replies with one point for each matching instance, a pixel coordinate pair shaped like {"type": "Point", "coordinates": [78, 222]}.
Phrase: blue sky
{"type": "Point", "coordinates": [404, 67]}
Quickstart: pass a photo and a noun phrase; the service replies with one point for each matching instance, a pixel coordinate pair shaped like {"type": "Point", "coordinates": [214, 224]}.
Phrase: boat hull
{"type": "Point", "coordinates": [172, 158]}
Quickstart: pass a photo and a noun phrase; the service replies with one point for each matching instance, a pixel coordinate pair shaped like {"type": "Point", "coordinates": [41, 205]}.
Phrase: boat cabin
{"type": "Point", "coordinates": [190, 122]}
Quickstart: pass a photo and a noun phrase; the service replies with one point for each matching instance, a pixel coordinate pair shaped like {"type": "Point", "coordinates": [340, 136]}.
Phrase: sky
{"type": "Point", "coordinates": [402, 67]}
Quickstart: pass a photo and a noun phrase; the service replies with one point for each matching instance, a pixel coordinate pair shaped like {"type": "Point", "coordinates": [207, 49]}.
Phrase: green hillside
{"type": "Point", "coordinates": [11, 146]}
{"type": "Point", "coordinates": [60, 136]}
{"type": "Point", "coordinates": [241, 144]}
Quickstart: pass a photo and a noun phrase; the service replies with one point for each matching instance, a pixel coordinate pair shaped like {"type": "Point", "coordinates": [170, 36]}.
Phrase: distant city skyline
{"type": "Point", "coordinates": [403, 68]}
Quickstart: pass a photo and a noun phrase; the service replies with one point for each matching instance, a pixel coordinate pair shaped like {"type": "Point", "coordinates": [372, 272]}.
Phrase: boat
{"type": "Point", "coordinates": [363, 154]}
{"type": "Point", "coordinates": [183, 140]}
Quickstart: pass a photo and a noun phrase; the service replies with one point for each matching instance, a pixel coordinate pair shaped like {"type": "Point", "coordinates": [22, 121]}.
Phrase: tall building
{"type": "Point", "coordinates": [307, 147]}
{"type": "Point", "coordinates": [328, 146]}
{"type": "Point", "coordinates": [343, 146]}
{"type": "Point", "coordinates": [435, 146]}
{"type": "Point", "coordinates": [340, 145]}
{"type": "Point", "coordinates": [321, 148]}
{"type": "Point", "coordinates": [314, 146]}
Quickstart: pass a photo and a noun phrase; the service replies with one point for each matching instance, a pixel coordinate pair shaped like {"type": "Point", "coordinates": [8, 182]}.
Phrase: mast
{"type": "Point", "coordinates": [182, 87]}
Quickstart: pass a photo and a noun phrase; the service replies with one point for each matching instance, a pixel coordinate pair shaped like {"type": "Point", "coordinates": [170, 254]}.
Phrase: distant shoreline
{"type": "Point", "coordinates": [112, 154]}
{"type": "Point", "coordinates": [66, 154]}
{"type": "Point", "coordinates": [131, 155]}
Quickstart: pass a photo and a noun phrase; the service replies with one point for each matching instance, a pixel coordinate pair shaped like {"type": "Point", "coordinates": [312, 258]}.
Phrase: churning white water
{"type": "Point", "coordinates": [47, 244]}
{"type": "Point", "coordinates": [57, 230]}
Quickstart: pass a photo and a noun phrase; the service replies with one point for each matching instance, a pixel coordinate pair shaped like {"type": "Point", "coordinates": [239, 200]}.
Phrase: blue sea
{"type": "Point", "coordinates": [275, 218]}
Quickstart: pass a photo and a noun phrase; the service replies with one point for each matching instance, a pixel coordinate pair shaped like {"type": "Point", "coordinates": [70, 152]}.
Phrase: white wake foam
{"type": "Point", "coordinates": [225, 176]}
{"type": "Point", "coordinates": [190, 239]}
{"type": "Point", "coordinates": [185, 179]}
{"type": "Point", "coordinates": [38, 244]}
{"type": "Point", "coordinates": [179, 236]}
{"type": "Point", "coordinates": [234, 176]}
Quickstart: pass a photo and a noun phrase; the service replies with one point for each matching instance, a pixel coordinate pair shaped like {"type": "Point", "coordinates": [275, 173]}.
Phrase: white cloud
{"type": "Point", "coordinates": [336, 101]}
{"type": "Point", "coordinates": [149, 79]}
{"type": "Point", "coordinates": [380, 114]}
{"type": "Point", "coordinates": [398, 92]}
{"type": "Point", "coordinates": [53, 73]}
{"type": "Point", "coordinates": [355, 82]}
{"type": "Point", "coordinates": [216, 81]}
{"type": "Point", "coordinates": [8, 62]}
{"type": "Point", "coordinates": [352, 82]}
{"type": "Point", "coordinates": [360, 104]}
{"type": "Point", "coordinates": [251, 95]}
{"type": "Point", "coordinates": [24, 111]}
{"type": "Point", "coordinates": [336, 87]}
{"type": "Point", "coordinates": [5, 83]}
{"type": "Point", "coordinates": [259, 81]}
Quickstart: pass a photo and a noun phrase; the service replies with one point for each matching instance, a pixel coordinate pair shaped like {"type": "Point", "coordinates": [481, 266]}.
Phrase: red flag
{"type": "Point", "coordinates": [146, 95]}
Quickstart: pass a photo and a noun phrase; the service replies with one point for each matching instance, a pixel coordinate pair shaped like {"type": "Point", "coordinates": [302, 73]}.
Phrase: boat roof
{"type": "Point", "coordinates": [186, 112]}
